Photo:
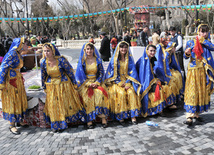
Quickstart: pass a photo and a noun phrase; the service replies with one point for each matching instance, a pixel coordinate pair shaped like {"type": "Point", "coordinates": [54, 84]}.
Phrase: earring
{"type": "Point", "coordinates": [22, 49]}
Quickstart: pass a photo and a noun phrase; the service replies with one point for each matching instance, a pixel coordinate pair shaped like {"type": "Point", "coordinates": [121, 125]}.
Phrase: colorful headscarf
{"type": "Point", "coordinates": [17, 44]}
{"type": "Point", "coordinates": [147, 78]}
{"type": "Point", "coordinates": [53, 48]}
{"type": "Point", "coordinates": [80, 72]}
{"type": "Point", "coordinates": [131, 72]}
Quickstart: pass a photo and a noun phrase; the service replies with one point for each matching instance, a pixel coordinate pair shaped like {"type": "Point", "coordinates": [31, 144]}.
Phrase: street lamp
{"type": "Point", "coordinates": [197, 3]}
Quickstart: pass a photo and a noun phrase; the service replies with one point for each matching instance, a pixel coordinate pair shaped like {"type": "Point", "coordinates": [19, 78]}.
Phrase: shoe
{"type": "Point", "coordinates": [53, 130]}
{"type": "Point", "coordinates": [188, 121]}
{"type": "Point", "coordinates": [90, 126]}
{"type": "Point", "coordinates": [134, 123]}
{"type": "Point", "coordinates": [14, 132]}
{"type": "Point", "coordinates": [61, 130]}
{"type": "Point", "coordinates": [199, 119]}
{"type": "Point", "coordinates": [22, 125]}
{"type": "Point", "coordinates": [173, 107]}
{"type": "Point", "coordinates": [162, 114]}
{"type": "Point", "coordinates": [122, 123]}
{"type": "Point", "coordinates": [104, 125]}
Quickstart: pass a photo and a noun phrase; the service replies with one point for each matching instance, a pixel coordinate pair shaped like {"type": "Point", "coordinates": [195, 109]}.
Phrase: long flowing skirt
{"type": "Point", "coordinates": [166, 98]}
{"type": "Point", "coordinates": [14, 100]}
{"type": "Point", "coordinates": [62, 105]}
{"type": "Point", "coordinates": [197, 93]}
{"type": "Point", "coordinates": [95, 105]}
{"type": "Point", "coordinates": [123, 103]}
{"type": "Point", "coordinates": [177, 82]}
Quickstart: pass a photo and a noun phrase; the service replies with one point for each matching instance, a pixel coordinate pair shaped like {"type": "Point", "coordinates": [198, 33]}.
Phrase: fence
{"type": "Point", "coordinates": [76, 43]}
{"type": "Point", "coordinates": [79, 43]}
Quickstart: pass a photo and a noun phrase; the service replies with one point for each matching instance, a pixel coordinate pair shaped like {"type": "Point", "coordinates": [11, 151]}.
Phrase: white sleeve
{"type": "Point", "coordinates": [180, 43]}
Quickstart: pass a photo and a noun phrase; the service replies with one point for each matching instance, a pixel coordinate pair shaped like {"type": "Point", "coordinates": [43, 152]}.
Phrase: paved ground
{"type": "Point", "coordinates": [170, 137]}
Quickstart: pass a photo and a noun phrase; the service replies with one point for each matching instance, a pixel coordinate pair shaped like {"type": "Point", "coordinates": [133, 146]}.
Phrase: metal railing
{"type": "Point", "coordinates": [77, 43]}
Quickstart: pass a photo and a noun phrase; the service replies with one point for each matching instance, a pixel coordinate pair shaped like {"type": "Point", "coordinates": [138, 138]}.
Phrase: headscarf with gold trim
{"type": "Point", "coordinates": [81, 66]}
{"type": "Point", "coordinates": [161, 68]}
{"type": "Point", "coordinates": [17, 44]}
{"type": "Point", "coordinates": [53, 48]}
{"type": "Point", "coordinates": [147, 78]}
{"type": "Point", "coordinates": [165, 62]}
{"type": "Point", "coordinates": [112, 73]}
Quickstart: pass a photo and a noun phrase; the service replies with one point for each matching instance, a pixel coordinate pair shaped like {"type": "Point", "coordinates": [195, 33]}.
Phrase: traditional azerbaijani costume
{"type": "Point", "coordinates": [14, 99]}
{"type": "Point", "coordinates": [168, 64]}
{"type": "Point", "coordinates": [199, 81]}
{"type": "Point", "coordinates": [123, 103]}
{"type": "Point", "coordinates": [154, 97]}
{"type": "Point", "coordinates": [95, 101]}
{"type": "Point", "coordinates": [62, 105]}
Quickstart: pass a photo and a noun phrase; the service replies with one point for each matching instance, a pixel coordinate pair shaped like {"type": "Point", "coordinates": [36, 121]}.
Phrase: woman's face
{"type": "Point", "coordinates": [203, 34]}
{"type": "Point", "coordinates": [48, 52]}
{"type": "Point", "coordinates": [89, 51]}
{"type": "Point", "coordinates": [25, 47]}
{"type": "Point", "coordinates": [151, 52]}
{"type": "Point", "coordinates": [123, 50]}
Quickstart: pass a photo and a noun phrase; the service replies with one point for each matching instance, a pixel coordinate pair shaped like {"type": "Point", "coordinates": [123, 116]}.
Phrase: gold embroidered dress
{"type": "Point", "coordinates": [95, 100]}
{"type": "Point", "coordinates": [171, 69]}
{"type": "Point", "coordinates": [62, 105]}
{"type": "Point", "coordinates": [151, 74]}
{"type": "Point", "coordinates": [199, 81]}
{"type": "Point", "coordinates": [14, 99]}
{"type": "Point", "coordinates": [123, 103]}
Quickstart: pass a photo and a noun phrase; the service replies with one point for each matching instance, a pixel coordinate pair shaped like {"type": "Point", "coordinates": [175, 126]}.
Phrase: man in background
{"type": "Point", "coordinates": [143, 37]}
{"type": "Point", "coordinates": [105, 47]}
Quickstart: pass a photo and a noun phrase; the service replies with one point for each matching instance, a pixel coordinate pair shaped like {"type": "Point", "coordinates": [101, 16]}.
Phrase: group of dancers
{"type": "Point", "coordinates": [125, 90]}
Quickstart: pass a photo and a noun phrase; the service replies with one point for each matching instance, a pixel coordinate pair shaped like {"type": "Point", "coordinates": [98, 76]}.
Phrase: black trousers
{"type": "Point", "coordinates": [180, 58]}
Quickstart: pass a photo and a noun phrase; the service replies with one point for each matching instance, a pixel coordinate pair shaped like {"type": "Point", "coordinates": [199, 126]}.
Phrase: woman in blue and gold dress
{"type": "Point", "coordinates": [168, 64]}
{"type": "Point", "coordinates": [14, 99]}
{"type": "Point", "coordinates": [62, 105]}
{"type": "Point", "coordinates": [122, 80]}
{"type": "Point", "coordinates": [155, 92]}
{"type": "Point", "coordinates": [199, 81]}
{"type": "Point", "coordinates": [89, 77]}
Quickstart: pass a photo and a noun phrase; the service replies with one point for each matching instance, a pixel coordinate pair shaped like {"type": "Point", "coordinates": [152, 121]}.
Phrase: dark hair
{"type": "Point", "coordinates": [172, 28]}
{"type": "Point", "coordinates": [144, 26]}
{"type": "Point", "coordinates": [204, 28]}
{"type": "Point", "coordinates": [153, 46]}
{"type": "Point", "coordinates": [90, 45]}
{"type": "Point", "coordinates": [47, 45]}
{"type": "Point", "coordinates": [123, 44]}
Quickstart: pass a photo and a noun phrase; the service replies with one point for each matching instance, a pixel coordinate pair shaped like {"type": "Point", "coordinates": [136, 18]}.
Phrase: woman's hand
{"type": "Point", "coordinates": [123, 85]}
{"type": "Point", "coordinates": [188, 51]}
{"type": "Point", "coordinates": [93, 85]}
{"type": "Point", "coordinates": [127, 87]}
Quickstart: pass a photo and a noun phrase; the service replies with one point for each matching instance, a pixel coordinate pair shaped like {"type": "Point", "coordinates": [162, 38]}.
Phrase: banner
{"type": "Point", "coordinates": [114, 12]}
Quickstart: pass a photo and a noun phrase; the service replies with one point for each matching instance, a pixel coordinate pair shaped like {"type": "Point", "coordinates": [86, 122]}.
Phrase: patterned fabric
{"type": "Point", "coordinates": [123, 103]}
{"type": "Point", "coordinates": [148, 79]}
{"type": "Point", "coordinates": [62, 105]}
{"type": "Point", "coordinates": [199, 82]}
{"type": "Point", "coordinates": [14, 99]}
{"type": "Point", "coordinates": [86, 74]}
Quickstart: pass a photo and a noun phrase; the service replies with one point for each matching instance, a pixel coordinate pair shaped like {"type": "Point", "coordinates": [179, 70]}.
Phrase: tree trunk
{"type": "Point", "coordinates": [167, 18]}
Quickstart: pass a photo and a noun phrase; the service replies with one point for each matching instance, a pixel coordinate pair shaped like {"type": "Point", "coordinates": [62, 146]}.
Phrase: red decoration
{"type": "Point", "coordinates": [198, 49]}
{"type": "Point", "coordinates": [90, 92]}
{"type": "Point", "coordinates": [157, 93]}
{"type": "Point", "coordinates": [13, 82]}
{"type": "Point", "coordinates": [103, 90]}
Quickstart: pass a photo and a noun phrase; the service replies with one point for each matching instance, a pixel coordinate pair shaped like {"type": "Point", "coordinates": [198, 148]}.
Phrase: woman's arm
{"type": "Point", "coordinates": [6, 64]}
{"type": "Point", "coordinates": [43, 73]}
{"type": "Point", "coordinates": [69, 70]}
